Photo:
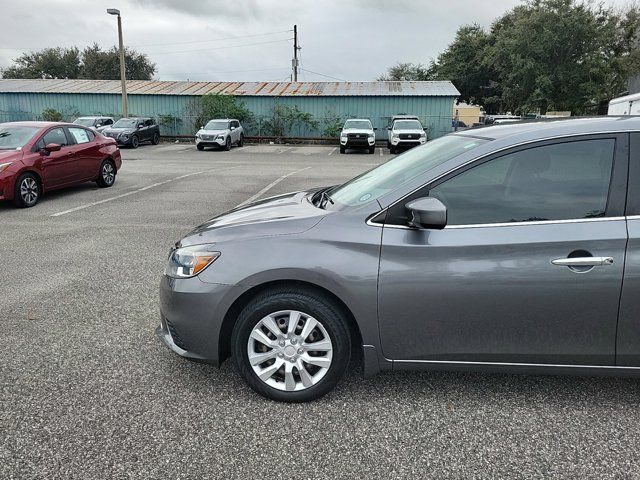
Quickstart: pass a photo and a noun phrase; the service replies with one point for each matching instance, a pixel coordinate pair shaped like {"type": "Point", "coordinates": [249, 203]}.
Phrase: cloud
{"type": "Point", "coordinates": [353, 40]}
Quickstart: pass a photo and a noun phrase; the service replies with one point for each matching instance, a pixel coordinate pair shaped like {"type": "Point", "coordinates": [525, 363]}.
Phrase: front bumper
{"type": "Point", "coordinates": [191, 316]}
{"type": "Point", "coordinates": [211, 142]}
{"type": "Point", "coordinates": [408, 143]}
{"type": "Point", "coordinates": [358, 142]}
{"type": "Point", "coordinates": [7, 185]}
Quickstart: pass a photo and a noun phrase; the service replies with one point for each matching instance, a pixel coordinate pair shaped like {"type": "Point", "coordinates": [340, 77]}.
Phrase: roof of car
{"type": "Point", "coordinates": [38, 124]}
{"type": "Point", "coordinates": [552, 127]}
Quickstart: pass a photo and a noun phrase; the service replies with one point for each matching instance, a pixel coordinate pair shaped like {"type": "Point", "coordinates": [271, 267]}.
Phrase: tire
{"type": "Point", "coordinates": [343, 149]}
{"type": "Point", "coordinates": [392, 150]}
{"type": "Point", "coordinates": [107, 175]}
{"type": "Point", "coordinates": [372, 150]}
{"type": "Point", "coordinates": [27, 191]}
{"type": "Point", "coordinates": [291, 352]}
{"type": "Point", "coordinates": [241, 141]}
{"type": "Point", "coordinates": [155, 140]}
{"type": "Point", "coordinates": [227, 144]}
{"type": "Point", "coordinates": [200, 147]}
{"type": "Point", "coordinates": [135, 141]}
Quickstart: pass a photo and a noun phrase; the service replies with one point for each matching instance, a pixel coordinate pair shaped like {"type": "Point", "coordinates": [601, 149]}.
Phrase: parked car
{"type": "Point", "coordinates": [37, 157]}
{"type": "Point", "coordinates": [511, 248]}
{"type": "Point", "coordinates": [96, 123]}
{"type": "Point", "coordinates": [358, 133]}
{"type": "Point", "coordinates": [221, 133]}
{"type": "Point", "coordinates": [132, 131]}
{"type": "Point", "coordinates": [405, 131]}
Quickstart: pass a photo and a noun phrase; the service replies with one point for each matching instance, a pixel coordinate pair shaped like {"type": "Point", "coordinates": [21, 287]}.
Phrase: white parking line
{"type": "Point", "coordinates": [380, 151]}
{"type": "Point", "coordinates": [110, 199]}
{"type": "Point", "coordinates": [331, 152]}
{"type": "Point", "coordinates": [270, 186]}
{"type": "Point", "coordinates": [285, 150]}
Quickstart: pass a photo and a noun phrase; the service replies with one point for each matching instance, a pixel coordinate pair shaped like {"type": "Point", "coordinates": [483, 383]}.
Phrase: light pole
{"type": "Point", "coordinates": [115, 11]}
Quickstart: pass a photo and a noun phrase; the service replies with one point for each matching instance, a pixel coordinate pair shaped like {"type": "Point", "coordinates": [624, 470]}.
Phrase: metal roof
{"type": "Point", "coordinates": [268, 89]}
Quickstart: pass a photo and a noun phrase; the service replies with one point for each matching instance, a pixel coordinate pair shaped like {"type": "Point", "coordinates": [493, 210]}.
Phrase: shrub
{"type": "Point", "coordinates": [51, 115]}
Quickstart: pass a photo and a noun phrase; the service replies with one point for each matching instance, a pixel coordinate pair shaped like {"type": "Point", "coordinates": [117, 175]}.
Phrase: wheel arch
{"type": "Point", "coordinates": [34, 173]}
{"type": "Point", "coordinates": [224, 339]}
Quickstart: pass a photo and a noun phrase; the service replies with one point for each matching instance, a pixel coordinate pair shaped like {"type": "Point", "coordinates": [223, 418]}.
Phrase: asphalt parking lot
{"type": "Point", "coordinates": [89, 392]}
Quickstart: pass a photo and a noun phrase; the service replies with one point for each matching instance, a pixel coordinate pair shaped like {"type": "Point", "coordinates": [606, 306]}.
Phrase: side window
{"type": "Point", "coordinates": [107, 121]}
{"type": "Point", "coordinates": [148, 123]}
{"type": "Point", "coordinates": [554, 182]}
{"type": "Point", "coordinates": [236, 124]}
{"type": "Point", "coordinates": [80, 135]}
{"type": "Point", "coordinates": [55, 135]}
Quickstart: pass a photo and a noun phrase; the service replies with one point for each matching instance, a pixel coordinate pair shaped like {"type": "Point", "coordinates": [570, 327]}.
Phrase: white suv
{"type": "Point", "coordinates": [405, 131]}
{"type": "Point", "coordinates": [220, 133]}
{"type": "Point", "coordinates": [358, 133]}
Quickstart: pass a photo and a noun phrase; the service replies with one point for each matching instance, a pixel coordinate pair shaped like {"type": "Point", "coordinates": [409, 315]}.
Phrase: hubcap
{"type": "Point", "coordinates": [108, 175]}
{"type": "Point", "coordinates": [290, 350]}
{"type": "Point", "coordinates": [29, 190]}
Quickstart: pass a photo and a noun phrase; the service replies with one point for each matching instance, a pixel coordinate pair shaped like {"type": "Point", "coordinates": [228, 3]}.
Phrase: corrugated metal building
{"type": "Point", "coordinates": [175, 104]}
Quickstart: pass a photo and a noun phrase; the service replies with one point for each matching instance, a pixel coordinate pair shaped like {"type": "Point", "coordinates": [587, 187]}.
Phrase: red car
{"type": "Point", "coordinates": [36, 157]}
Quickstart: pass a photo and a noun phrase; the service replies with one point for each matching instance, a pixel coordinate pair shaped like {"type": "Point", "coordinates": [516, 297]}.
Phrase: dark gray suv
{"type": "Point", "coordinates": [510, 248]}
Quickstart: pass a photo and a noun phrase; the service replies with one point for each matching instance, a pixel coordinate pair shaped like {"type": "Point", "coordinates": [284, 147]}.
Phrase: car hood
{"type": "Point", "coordinates": [119, 130]}
{"type": "Point", "coordinates": [357, 130]}
{"type": "Point", "coordinates": [213, 132]}
{"type": "Point", "coordinates": [282, 215]}
{"type": "Point", "coordinates": [410, 132]}
{"type": "Point", "coordinates": [10, 155]}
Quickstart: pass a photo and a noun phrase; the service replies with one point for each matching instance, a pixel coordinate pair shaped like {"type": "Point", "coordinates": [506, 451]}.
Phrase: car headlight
{"type": "Point", "coordinates": [220, 137]}
{"type": "Point", "coordinates": [395, 135]}
{"type": "Point", "coordinates": [198, 135]}
{"type": "Point", "coordinates": [371, 135]}
{"type": "Point", "coordinates": [343, 138]}
{"type": "Point", "coordinates": [188, 262]}
{"type": "Point", "coordinates": [4, 165]}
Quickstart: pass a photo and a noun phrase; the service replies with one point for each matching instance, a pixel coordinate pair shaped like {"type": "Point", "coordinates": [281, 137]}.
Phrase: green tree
{"type": "Point", "coordinates": [48, 63]}
{"type": "Point", "coordinates": [91, 63]}
{"type": "Point", "coordinates": [288, 120]}
{"type": "Point", "coordinates": [409, 72]}
{"type": "Point", "coordinates": [52, 115]}
{"type": "Point", "coordinates": [105, 64]}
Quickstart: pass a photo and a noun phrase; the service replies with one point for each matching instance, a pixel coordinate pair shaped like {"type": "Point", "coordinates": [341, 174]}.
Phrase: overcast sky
{"type": "Point", "coordinates": [249, 40]}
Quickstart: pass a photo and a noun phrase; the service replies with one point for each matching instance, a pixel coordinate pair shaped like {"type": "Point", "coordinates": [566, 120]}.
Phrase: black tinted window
{"type": "Point", "coordinates": [555, 182]}
{"type": "Point", "coordinates": [55, 135]}
{"type": "Point", "coordinates": [148, 123]}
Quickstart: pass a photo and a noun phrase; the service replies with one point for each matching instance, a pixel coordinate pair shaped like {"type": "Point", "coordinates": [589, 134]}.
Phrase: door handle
{"type": "Point", "coordinates": [583, 261]}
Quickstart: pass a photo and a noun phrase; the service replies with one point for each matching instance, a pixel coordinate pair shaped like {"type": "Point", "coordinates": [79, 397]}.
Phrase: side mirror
{"type": "Point", "coordinates": [388, 128]}
{"type": "Point", "coordinates": [427, 212]}
{"type": "Point", "coordinates": [140, 125]}
{"type": "Point", "coordinates": [375, 128]}
{"type": "Point", "coordinates": [233, 128]}
{"type": "Point", "coordinates": [201, 127]}
{"type": "Point", "coordinates": [426, 129]}
{"type": "Point", "coordinates": [48, 148]}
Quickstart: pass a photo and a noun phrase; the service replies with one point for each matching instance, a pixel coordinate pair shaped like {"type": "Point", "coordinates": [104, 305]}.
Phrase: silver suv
{"type": "Point", "coordinates": [405, 131]}
{"type": "Point", "coordinates": [222, 132]}
{"type": "Point", "coordinates": [358, 133]}
{"type": "Point", "coordinates": [96, 123]}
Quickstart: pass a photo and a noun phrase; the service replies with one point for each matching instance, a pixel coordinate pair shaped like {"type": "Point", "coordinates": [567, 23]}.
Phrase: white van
{"type": "Point", "coordinates": [627, 105]}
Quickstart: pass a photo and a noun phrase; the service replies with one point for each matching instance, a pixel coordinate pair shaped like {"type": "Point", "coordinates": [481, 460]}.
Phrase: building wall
{"type": "Point", "coordinates": [434, 112]}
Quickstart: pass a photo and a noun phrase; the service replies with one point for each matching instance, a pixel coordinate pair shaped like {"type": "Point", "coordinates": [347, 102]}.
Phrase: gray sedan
{"type": "Point", "coordinates": [511, 248]}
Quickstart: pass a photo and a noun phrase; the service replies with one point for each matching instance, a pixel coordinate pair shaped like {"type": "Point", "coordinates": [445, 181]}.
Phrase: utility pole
{"type": "Point", "coordinates": [123, 82]}
{"type": "Point", "coordinates": [294, 62]}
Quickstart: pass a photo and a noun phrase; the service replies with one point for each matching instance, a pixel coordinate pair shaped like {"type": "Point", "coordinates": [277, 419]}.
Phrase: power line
{"type": "Point", "coordinates": [212, 40]}
{"type": "Point", "coordinates": [226, 71]}
{"type": "Point", "coordinates": [220, 48]}
{"type": "Point", "coordinates": [323, 75]}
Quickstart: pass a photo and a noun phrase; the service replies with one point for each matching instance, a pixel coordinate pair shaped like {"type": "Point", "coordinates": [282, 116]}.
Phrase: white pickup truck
{"type": "Point", "coordinates": [627, 105]}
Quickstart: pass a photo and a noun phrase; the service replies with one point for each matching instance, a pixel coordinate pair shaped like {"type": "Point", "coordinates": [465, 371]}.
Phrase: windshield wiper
{"type": "Point", "coordinates": [323, 197]}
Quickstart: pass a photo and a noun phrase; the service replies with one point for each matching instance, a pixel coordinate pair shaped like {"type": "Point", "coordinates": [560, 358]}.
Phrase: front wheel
{"type": "Point", "coordinates": [343, 149]}
{"type": "Point", "coordinates": [290, 345]}
{"type": "Point", "coordinates": [241, 141]}
{"type": "Point", "coordinates": [372, 150]}
{"type": "Point", "coordinates": [135, 141]}
{"type": "Point", "coordinates": [107, 175]}
{"type": "Point", "coordinates": [27, 191]}
{"type": "Point", "coordinates": [200, 147]}
{"type": "Point", "coordinates": [156, 138]}
{"type": "Point", "coordinates": [227, 144]}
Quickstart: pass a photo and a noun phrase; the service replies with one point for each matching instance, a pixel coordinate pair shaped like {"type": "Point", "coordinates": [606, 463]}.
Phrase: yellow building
{"type": "Point", "coordinates": [469, 114]}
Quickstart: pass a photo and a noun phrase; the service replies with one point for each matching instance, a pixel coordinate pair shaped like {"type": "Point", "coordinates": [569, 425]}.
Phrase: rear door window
{"type": "Point", "coordinates": [80, 135]}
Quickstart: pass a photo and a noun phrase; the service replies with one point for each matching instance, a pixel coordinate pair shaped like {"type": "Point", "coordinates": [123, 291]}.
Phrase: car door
{"type": "Point", "coordinates": [236, 131]}
{"type": "Point", "coordinates": [87, 153]}
{"type": "Point", "coordinates": [505, 281]}
{"type": "Point", "coordinates": [147, 129]}
{"type": "Point", "coordinates": [58, 168]}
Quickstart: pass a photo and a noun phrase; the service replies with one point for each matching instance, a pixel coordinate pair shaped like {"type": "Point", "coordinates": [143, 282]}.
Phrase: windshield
{"type": "Point", "coordinates": [217, 125]}
{"type": "Point", "coordinates": [407, 125]}
{"type": "Point", "coordinates": [362, 124]}
{"type": "Point", "coordinates": [14, 138]}
{"type": "Point", "coordinates": [399, 170]}
{"type": "Point", "coordinates": [126, 123]}
{"type": "Point", "coordinates": [87, 122]}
